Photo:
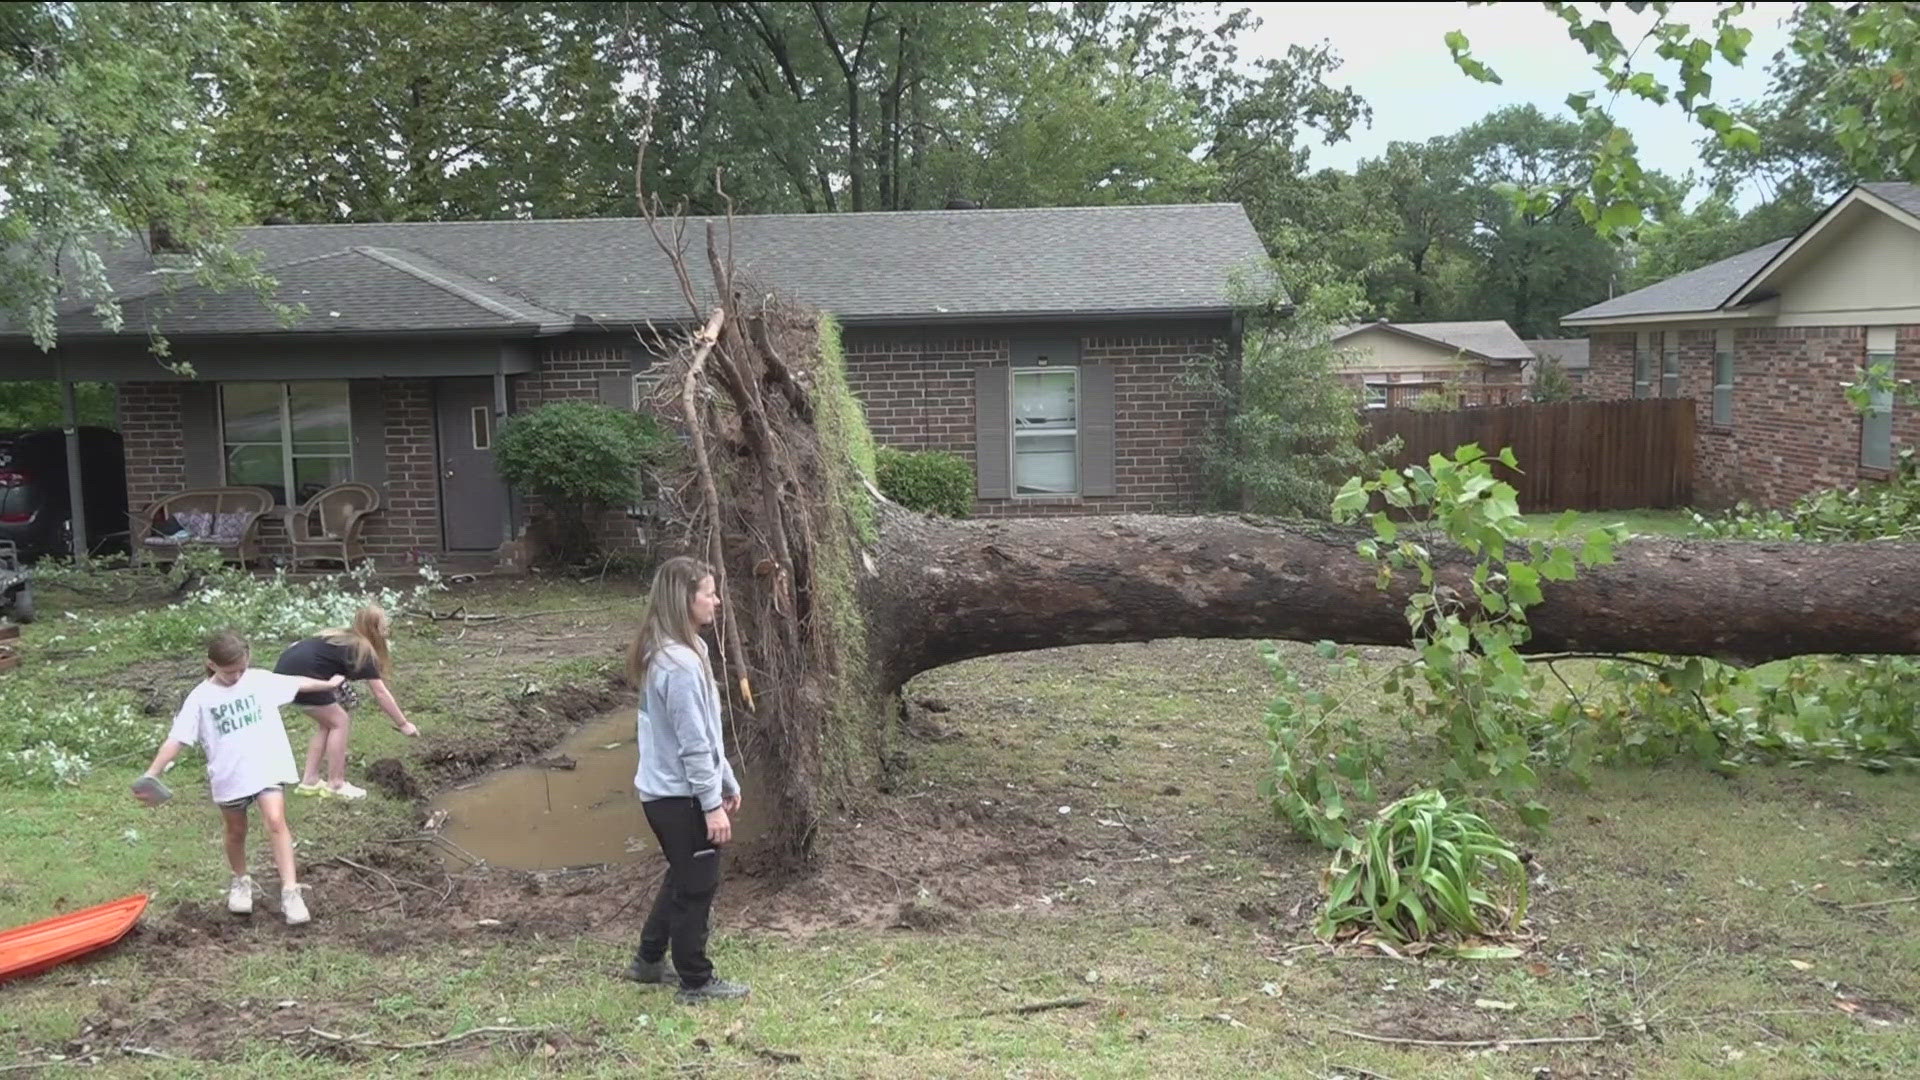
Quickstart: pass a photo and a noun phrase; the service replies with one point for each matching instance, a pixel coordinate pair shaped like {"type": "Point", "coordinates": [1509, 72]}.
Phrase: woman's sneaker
{"type": "Point", "coordinates": [315, 788]}
{"type": "Point", "coordinates": [294, 905]}
{"type": "Point", "coordinates": [650, 974]}
{"type": "Point", "coordinates": [347, 790]}
{"type": "Point", "coordinates": [240, 895]}
{"type": "Point", "coordinates": [716, 989]}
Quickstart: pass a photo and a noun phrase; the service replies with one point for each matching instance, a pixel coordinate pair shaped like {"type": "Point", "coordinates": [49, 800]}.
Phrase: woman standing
{"type": "Point", "coordinates": [357, 652]}
{"type": "Point", "coordinates": [686, 785]}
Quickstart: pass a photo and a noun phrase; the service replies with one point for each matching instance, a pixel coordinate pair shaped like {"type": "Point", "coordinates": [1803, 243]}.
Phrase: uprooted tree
{"type": "Point", "coordinates": [836, 597]}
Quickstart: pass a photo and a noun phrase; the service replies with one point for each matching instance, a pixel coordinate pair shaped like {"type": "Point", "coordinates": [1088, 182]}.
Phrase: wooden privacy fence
{"type": "Point", "coordinates": [1574, 455]}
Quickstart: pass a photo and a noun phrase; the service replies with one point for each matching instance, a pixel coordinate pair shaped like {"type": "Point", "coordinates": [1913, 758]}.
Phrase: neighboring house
{"type": "Point", "coordinates": [1046, 345]}
{"type": "Point", "coordinates": [1763, 341]}
{"type": "Point", "coordinates": [1573, 355]}
{"type": "Point", "coordinates": [1394, 363]}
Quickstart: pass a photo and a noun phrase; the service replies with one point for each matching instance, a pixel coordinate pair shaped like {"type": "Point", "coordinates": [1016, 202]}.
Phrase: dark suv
{"type": "Point", "coordinates": [35, 511]}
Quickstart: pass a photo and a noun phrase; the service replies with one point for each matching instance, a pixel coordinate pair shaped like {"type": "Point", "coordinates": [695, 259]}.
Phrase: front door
{"type": "Point", "coordinates": [473, 498]}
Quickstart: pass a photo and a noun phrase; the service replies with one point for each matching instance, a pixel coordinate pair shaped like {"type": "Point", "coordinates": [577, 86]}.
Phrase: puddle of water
{"type": "Point", "coordinates": [537, 817]}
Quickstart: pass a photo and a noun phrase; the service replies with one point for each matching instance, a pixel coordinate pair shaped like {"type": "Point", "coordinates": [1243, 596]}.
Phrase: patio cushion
{"type": "Point", "coordinates": [198, 523]}
{"type": "Point", "coordinates": [229, 528]}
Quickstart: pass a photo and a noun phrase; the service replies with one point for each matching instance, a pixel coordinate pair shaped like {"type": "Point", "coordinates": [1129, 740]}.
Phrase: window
{"type": "Point", "coordinates": [482, 427]}
{"type": "Point", "coordinates": [1376, 395]}
{"type": "Point", "coordinates": [1046, 431]}
{"type": "Point", "coordinates": [644, 385]}
{"type": "Point", "coordinates": [1723, 378]}
{"type": "Point", "coordinates": [1670, 364]}
{"type": "Point", "coordinates": [1643, 366]}
{"type": "Point", "coordinates": [1876, 424]}
{"type": "Point", "coordinates": [286, 437]}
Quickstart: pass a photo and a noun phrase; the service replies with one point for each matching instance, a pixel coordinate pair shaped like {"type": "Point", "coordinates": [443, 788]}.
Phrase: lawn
{"type": "Point", "coordinates": [1076, 828]}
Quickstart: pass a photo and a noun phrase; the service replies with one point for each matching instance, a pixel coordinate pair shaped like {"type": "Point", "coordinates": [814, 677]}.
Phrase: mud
{"type": "Point", "coordinates": [572, 806]}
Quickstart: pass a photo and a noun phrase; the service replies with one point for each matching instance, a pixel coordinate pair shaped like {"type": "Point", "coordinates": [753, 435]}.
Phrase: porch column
{"type": "Point", "coordinates": [76, 495]}
{"type": "Point", "coordinates": [499, 418]}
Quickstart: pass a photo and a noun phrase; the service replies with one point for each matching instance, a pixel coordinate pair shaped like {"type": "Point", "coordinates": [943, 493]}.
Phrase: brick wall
{"type": "Point", "coordinates": [1793, 431]}
{"type": "Point", "coordinates": [149, 414]}
{"type": "Point", "coordinates": [410, 518]}
{"type": "Point", "coordinates": [917, 388]}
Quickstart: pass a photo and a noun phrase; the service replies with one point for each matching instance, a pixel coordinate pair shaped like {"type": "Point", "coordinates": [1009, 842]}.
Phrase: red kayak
{"type": "Point", "coordinates": [35, 947]}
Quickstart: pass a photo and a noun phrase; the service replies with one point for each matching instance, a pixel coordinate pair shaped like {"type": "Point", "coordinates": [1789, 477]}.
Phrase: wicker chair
{"type": "Point", "coordinates": [224, 518]}
{"type": "Point", "coordinates": [327, 526]}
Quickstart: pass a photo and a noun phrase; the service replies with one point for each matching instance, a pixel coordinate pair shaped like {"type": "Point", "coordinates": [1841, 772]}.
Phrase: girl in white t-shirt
{"type": "Point", "coordinates": [234, 716]}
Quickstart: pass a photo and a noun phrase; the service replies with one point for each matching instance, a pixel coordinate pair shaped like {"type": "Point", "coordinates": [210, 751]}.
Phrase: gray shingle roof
{"type": "Point", "coordinates": [1904, 195]}
{"type": "Point", "coordinates": [1698, 290]}
{"type": "Point", "coordinates": [1574, 353]}
{"type": "Point", "coordinates": [359, 290]}
{"type": "Point", "coordinates": [1492, 339]}
{"type": "Point", "coordinates": [870, 267]}
{"type": "Point", "coordinates": [1707, 288]}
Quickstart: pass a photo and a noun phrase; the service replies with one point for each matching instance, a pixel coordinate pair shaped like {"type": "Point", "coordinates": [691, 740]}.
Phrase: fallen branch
{"type": "Point", "coordinates": [1468, 1044]}
{"type": "Point", "coordinates": [740, 1042]}
{"type": "Point", "coordinates": [868, 977]}
{"type": "Point", "coordinates": [1034, 1007]}
{"type": "Point", "coordinates": [362, 1040]}
{"type": "Point", "coordinates": [1880, 903]}
{"type": "Point", "coordinates": [389, 878]}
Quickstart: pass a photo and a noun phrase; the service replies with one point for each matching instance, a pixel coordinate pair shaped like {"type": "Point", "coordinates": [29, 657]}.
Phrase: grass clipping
{"type": "Point", "coordinates": [774, 494]}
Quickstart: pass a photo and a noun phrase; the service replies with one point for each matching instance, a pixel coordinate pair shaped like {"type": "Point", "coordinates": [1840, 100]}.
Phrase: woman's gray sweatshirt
{"type": "Point", "coordinates": [682, 752]}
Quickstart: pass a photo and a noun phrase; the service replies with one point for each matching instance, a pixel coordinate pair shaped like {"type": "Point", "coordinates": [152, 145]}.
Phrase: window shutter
{"type": "Point", "coordinates": [1096, 429]}
{"type": "Point", "coordinates": [200, 434]}
{"type": "Point", "coordinates": [992, 441]}
{"type": "Point", "coordinates": [367, 407]}
{"type": "Point", "coordinates": [617, 391]}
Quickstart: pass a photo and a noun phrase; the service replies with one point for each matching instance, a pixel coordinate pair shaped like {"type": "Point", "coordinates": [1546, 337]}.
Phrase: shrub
{"type": "Point", "coordinates": [930, 481]}
{"type": "Point", "coordinates": [1424, 869]}
{"type": "Point", "coordinates": [580, 459]}
{"type": "Point", "coordinates": [1874, 511]}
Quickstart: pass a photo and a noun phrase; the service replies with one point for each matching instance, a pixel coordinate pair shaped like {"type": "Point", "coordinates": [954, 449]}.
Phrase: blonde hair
{"type": "Point", "coordinates": [365, 640]}
{"type": "Point", "coordinates": [227, 648]}
{"type": "Point", "coordinates": [668, 619]}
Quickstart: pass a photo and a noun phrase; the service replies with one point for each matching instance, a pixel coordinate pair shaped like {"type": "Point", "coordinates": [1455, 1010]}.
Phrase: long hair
{"type": "Point", "coordinates": [226, 648]}
{"type": "Point", "coordinates": [365, 640]}
{"type": "Point", "coordinates": [668, 619]}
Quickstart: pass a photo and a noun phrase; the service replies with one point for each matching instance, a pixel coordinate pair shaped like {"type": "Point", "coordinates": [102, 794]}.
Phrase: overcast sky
{"type": "Point", "coordinates": [1395, 55]}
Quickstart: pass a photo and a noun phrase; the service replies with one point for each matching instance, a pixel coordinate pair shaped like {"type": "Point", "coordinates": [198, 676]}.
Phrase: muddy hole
{"type": "Point", "coordinates": [573, 806]}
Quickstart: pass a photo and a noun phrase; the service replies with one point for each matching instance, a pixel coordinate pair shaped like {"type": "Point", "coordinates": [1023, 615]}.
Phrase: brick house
{"type": "Point", "coordinates": [1393, 363]}
{"type": "Point", "coordinates": [1763, 341]}
{"type": "Point", "coordinates": [1045, 345]}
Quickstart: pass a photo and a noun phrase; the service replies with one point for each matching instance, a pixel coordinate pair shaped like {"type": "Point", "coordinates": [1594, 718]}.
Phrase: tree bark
{"type": "Point", "coordinates": [942, 591]}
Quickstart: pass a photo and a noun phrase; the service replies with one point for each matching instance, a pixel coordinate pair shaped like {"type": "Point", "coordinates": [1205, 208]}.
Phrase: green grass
{"type": "Point", "coordinates": [1669, 907]}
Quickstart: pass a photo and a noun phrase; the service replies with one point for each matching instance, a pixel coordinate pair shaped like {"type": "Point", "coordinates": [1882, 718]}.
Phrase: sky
{"type": "Point", "coordinates": [1395, 55]}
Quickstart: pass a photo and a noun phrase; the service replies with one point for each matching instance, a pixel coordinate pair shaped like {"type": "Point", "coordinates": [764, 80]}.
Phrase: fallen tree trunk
{"type": "Point", "coordinates": [943, 591]}
{"type": "Point", "coordinates": [834, 598]}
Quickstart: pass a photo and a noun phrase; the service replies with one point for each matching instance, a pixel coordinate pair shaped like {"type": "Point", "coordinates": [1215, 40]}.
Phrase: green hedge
{"type": "Point", "coordinates": [930, 481]}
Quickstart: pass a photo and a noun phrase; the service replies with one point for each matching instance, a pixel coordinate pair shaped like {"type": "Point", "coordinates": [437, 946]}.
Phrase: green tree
{"type": "Point", "coordinates": [103, 123]}
{"type": "Point", "coordinates": [1535, 262]}
{"type": "Point", "coordinates": [1845, 103]}
{"type": "Point", "coordinates": [1714, 230]}
{"type": "Point", "coordinates": [1292, 433]}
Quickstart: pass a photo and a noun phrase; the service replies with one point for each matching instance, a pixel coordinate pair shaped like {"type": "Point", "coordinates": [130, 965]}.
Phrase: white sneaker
{"type": "Point", "coordinates": [347, 790]}
{"type": "Point", "coordinates": [240, 895]}
{"type": "Point", "coordinates": [294, 905]}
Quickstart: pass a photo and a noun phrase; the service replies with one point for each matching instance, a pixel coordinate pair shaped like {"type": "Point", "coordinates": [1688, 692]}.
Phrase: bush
{"type": "Point", "coordinates": [580, 459]}
{"type": "Point", "coordinates": [930, 481]}
{"type": "Point", "coordinates": [1873, 511]}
